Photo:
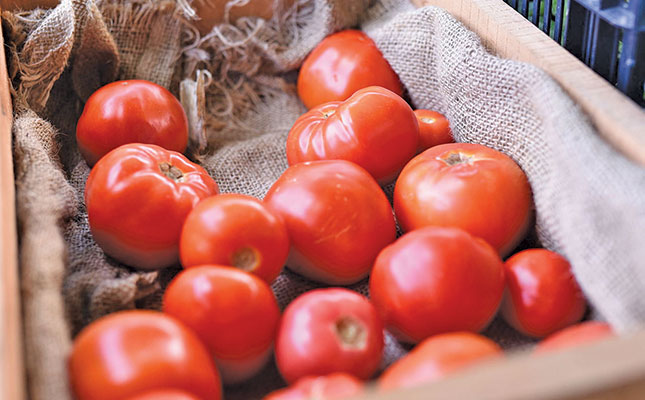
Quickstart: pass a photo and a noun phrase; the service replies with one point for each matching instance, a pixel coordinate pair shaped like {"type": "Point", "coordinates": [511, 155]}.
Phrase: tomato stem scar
{"type": "Point", "coordinates": [457, 158]}
{"type": "Point", "coordinates": [351, 332]}
{"type": "Point", "coordinates": [171, 172]}
{"type": "Point", "coordinates": [245, 259]}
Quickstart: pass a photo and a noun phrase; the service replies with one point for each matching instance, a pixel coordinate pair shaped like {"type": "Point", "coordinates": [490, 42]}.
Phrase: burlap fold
{"type": "Point", "coordinates": [238, 86]}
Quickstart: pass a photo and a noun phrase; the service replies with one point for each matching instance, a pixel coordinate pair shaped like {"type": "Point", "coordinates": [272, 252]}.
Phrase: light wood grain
{"type": "Point", "coordinates": [11, 353]}
{"type": "Point", "coordinates": [27, 4]}
{"type": "Point", "coordinates": [505, 32]}
{"type": "Point", "coordinates": [608, 370]}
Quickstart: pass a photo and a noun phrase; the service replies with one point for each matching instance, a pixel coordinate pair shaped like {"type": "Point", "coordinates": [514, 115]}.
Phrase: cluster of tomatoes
{"type": "Point", "coordinates": [463, 206]}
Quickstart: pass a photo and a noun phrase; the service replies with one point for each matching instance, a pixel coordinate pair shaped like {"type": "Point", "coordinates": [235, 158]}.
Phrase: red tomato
{"type": "Point", "coordinates": [337, 216]}
{"type": "Point", "coordinates": [543, 295]}
{"type": "Point", "coordinates": [234, 313]}
{"type": "Point", "coordinates": [437, 357]}
{"type": "Point", "coordinates": [374, 128]}
{"type": "Point", "coordinates": [576, 335]}
{"type": "Point", "coordinates": [434, 129]}
{"type": "Point", "coordinates": [436, 280]}
{"type": "Point", "coordinates": [134, 352]}
{"type": "Point", "coordinates": [333, 386]}
{"type": "Point", "coordinates": [342, 64]}
{"type": "Point", "coordinates": [469, 186]}
{"type": "Point", "coordinates": [329, 330]}
{"type": "Point", "coordinates": [164, 394]}
{"type": "Point", "coordinates": [137, 199]}
{"type": "Point", "coordinates": [130, 112]}
{"type": "Point", "coordinates": [237, 230]}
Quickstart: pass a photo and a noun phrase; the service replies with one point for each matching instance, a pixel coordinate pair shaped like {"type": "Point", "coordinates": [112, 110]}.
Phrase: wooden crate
{"type": "Point", "coordinates": [614, 369]}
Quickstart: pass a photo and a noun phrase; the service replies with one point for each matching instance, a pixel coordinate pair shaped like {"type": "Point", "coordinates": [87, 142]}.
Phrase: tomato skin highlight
{"type": "Point", "coordinates": [237, 230]}
{"type": "Point", "coordinates": [131, 111]}
{"type": "Point", "coordinates": [434, 129]}
{"type": "Point", "coordinates": [329, 330]}
{"type": "Point", "coordinates": [337, 217]}
{"type": "Point", "coordinates": [129, 353]}
{"type": "Point", "coordinates": [437, 357]}
{"type": "Point", "coordinates": [333, 386]}
{"type": "Point", "coordinates": [233, 312]}
{"type": "Point", "coordinates": [375, 128]}
{"type": "Point", "coordinates": [135, 210]}
{"type": "Point", "coordinates": [542, 294]}
{"type": "Point", "coordinates": [341, 64]}
{"type": "Point", "coordinates": [575, 335]}
{"type": "Point", "coordinates": [469, 186]}
{"type": "Point", "coordinates": [435, 280]}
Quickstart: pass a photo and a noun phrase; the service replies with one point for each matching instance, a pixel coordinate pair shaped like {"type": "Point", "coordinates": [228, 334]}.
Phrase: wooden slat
{"type": "Point", "coordinates": [618, 119]}
{"type": "Point", "coordinates": [11, 355]}
{"type": "Point", "coordinates": [608, 370]}
{"type": "Point", "coordinates": [27, 4]}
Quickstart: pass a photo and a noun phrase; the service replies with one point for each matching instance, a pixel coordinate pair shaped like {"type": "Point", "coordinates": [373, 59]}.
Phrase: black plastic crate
{"type": "Point", "coordinates": [607, 35]}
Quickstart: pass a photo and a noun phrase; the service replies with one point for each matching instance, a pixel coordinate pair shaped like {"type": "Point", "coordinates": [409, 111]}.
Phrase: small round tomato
{"type": "Point", "coordinates": [342, 64]}
{"type": "Point", "coordinates": [165, 394]}
{"type": "Point", "coordinates": [576, 335]}
{"type": "Point", "coordinates": [469, 186]}
{"type": "Point", "coordinates": [129, 353]}
{"type": "Point", "coordinates": [436, 357]}
{"type": "Point", "coordinates": [434, 129]}
{"type": "Point", "coordinates": [337, 217]}
{"type": "Point", "coordinates": [333, 386]}
{"type": "Point", "coordinates": [542, 294]}
{"type": "Point", "coordinates": [131, 111]}
{"type": "Point", "coordinates": [237, 230]}
{"type": "Point", "coordinates": [137, 199]}
{"type": "Point", "coordinates": [234, 313]}
{"type": "Point", "coordinates": [435, 280]}
{"type": "Point", "coordinates": [329, 330]}
{"type": "Point", "coordinates": [374, 128]}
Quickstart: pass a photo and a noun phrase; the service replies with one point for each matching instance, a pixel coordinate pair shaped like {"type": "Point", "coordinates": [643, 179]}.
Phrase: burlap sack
{"type": "Point", "coordinates": [237, 84]}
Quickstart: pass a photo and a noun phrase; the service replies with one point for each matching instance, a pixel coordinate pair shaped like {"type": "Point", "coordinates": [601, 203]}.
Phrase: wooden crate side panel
{"type": "Point", "coordinates": [11, 350]}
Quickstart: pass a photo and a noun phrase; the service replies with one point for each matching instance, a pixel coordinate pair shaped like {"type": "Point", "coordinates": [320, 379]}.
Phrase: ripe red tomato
{"type": "Point", "coordinates": [543, 295]}
{"type": "Point", "coordinates": [134, 352]}
{"type": "Point", "coordinates": [576, 335]}
{"type": "Point", "coordinates": [237, 230]}
{"type": "Point", "coordinates": [469, 186]}
{"type": "Point", "coordinates": [436, 357]}
{"type": "Point", "coordinates": [234, 313]}
{"type": "Point", "coordinates": [342, 64]}
{"type": "Point", "coordinates": [165, 394]}
{"type": "Point", "coordinates": [132, 111]}
{"type": "Point", "coordinates": [374, 128]}
{"type": "Point", "coordinates": [434, 129]}
{"type": "Point", "coordinates": [137, 199]}
{"type": "Point", "coordinates": [337, 217]}
{"type": "Point", "coordinates": [435, 280]}
{"type": "Point", "coordinates": [329, 330]}
{"type": "Point", "coordinates": [333, 386]}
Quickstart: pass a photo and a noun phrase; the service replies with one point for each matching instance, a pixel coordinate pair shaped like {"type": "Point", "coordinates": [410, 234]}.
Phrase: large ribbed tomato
{"type": "Point", "coordinates": [542, 294]}
{"type": "Point", "coordinates": [131, 353]}
{"type": "Point", "coordinates": [437, 357]}
{"type": "Point", "coordinates": [469, 186]}
{"type": "Point", "coordinates": [329, 330]}
{"type": "Point", "coordinates": [233, 312]}
{"type": "Point", "coordinates": [334, 386]}
{"type": "Point", "coordinates": [374, 128]}
{"type": "Point", "coordinates": [337, 217]}
{"type": "Point", "coordinates": [133, 111]}
{"type": "Point", "coordinates": [342, 64]}
{"type": "Point", "coordinates": [435, 280]}
{"type": "Point", "coordinates": [137, 199]}
{"type": "Point", "coordinates": [237, 230]}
